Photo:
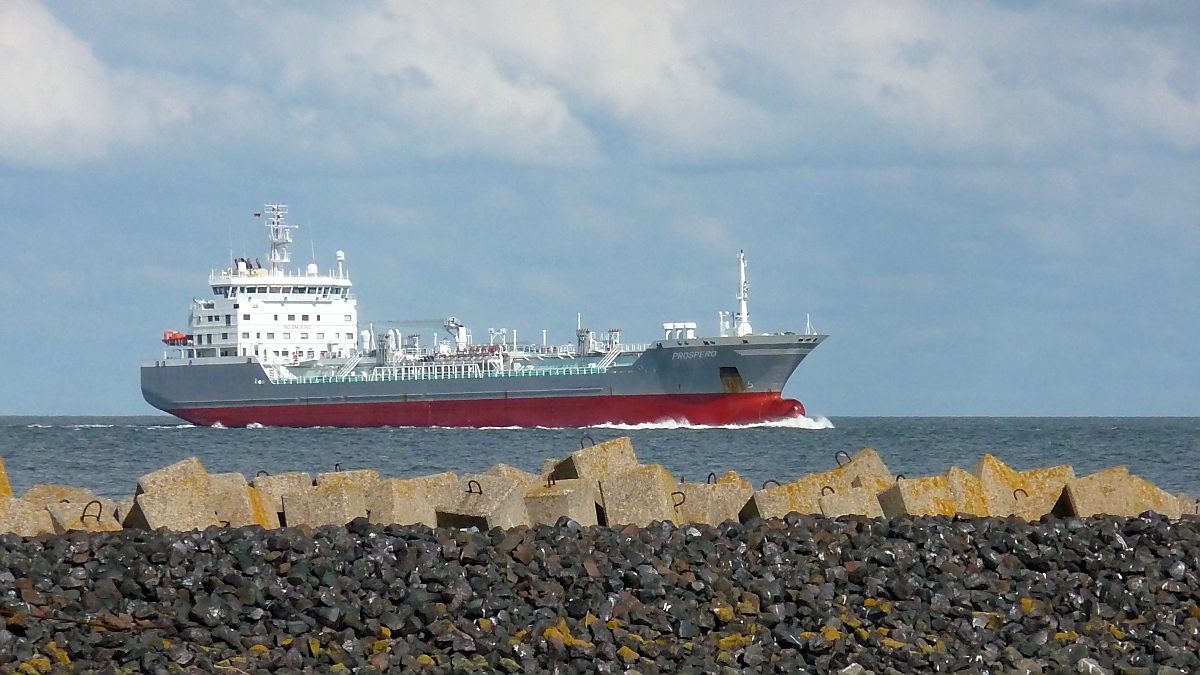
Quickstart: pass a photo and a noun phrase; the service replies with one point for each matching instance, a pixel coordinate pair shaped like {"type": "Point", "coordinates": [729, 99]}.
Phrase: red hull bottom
{"type": "Point", "coordinates": [583, 411]}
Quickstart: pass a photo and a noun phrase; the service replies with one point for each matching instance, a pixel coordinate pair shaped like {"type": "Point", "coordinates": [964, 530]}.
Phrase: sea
{"type": "Point", "coordinates": [107, 454]}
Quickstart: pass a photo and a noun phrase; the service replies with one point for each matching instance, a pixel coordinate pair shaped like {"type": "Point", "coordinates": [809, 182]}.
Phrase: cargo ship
{"type": "Point", "coordinates": [274, 346]}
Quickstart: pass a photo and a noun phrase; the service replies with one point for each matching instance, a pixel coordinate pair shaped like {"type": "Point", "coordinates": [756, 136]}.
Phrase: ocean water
{"type": "Point", "coordinates": [108, 454]}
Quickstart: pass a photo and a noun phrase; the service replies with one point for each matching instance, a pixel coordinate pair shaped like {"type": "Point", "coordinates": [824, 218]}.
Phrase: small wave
{"type": "Point", "coordinates": [217, 425]}
{"type": "Point", "coordinates": [39, 426]}
{"type": "Point", "coordinates": [811, 423]}
{"type": "Point", "coordinates": [91, 426]}
{"type": "Point", "coordinates": [254, 425]}
{"type": "Point", "coordinates": [170, 426]}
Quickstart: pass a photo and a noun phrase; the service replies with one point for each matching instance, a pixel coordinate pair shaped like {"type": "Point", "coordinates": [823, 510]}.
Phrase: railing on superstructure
{"type": "Point", "coordinates": [436, 372]}
{"type": "Point", "coordinates": [227, 274]}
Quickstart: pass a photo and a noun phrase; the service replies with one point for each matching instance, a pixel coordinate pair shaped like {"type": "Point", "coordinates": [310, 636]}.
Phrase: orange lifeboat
{"type": "Point", "coordinates": [174, 338]}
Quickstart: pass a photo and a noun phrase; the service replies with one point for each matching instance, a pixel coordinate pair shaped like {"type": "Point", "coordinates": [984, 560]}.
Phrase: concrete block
{"type": "Point", "coordinates": [410, 501]}
{"type": "Point", "coordinates": [22, 518]}
{"type": "Point", "coordinates": [547, 468]}
{"type": "Point", "coordinates": [713, 503]}
{"type": "Point", "coordinates": [967, 492]}
{"type": "Point", "coordinates": [507, 471]}
{"type": "Point", "coordinates": [802, 496]}
{"type": "Point", "coordinates": [485, 502]}
{"type": "Point", "coordinates": [91, 516]}
{"type": "Point", "coordinates": [183, 505]}
{"type": "Point", "coordinates": [860, 501]}
{"type": "Point", "coordinates": [732, 478]}
{"type": "Point", "coordinates": [865, 469]}
{"type": "Point", "coordinates": [45, 495]}
{"type": "Point", "coordinates": [5, 488]}
{"type": "Point", "coordinates": [1043, 487]}
{"type": "Point", "coordinates": [274, 487]}
{"type": "Point", "coordinates": [1188, 505]}
{"type": "Point", "coordinates": [237, 504]}
{"type": "Point", "coordinates": [1002, 486]}
{"type": "Point", "coordinates": [332, 503]}
{"type": "Point", "coordinates": [124, 506]}
{"type": "Point", "coordinates": [1149, 497]}
{"type": "Point", "coordinates": [640, 497]}
{"type": "Point", "coordinates": [918, 496]}
{"type": "Point", "coordinates": [572, 497]}
{"type": "Point", "coordinates": [604, 460]}
{"type": "Point", "coordinates": [170, 475]}
{"type": "Point", "coordinates": [1104, 492]}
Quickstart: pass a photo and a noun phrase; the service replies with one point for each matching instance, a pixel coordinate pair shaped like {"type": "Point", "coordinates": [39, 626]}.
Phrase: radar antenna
{"type": "Point", "coordinates": [743, 315]}
{"type": "Point", "coordinates": [280, 233]}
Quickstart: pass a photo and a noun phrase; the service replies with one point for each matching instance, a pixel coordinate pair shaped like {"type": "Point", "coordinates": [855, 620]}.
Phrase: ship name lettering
{"type": "Point", "coordinates": [712, 353]}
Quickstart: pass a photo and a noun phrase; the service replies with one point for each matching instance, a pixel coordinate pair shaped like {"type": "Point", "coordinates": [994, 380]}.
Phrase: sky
{"type": "Point", "coordinates": [992, 208]}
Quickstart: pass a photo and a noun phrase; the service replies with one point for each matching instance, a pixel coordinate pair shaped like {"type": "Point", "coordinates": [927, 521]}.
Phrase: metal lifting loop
{"type": "Point", "coordinates": [337, 466]}
{"type": "Point", "coordinates": [681, 479]}
{"type": "Point", "coordinates": [550, 480]}
{"type": "Point", "coordinates": [1022, 491]}
{"type": "Point", "coordinates": [830, 488]}
{"type": "Point", "coordinates": [87, 511]}
{"type": "Point", "coordinates": [473, 487]}
{"type": "Point", "coordinates": [837, 457]}
{"type": "Point", "coordinates": [262, 472]}
{"type": "Point", "coordinates": [900, 477]}
{"type": "Point", "coordinates": [682, 498]}
{"type": "Point", "coordinates": [589, 438]}
{"type": "Point", "coordinates": [712, 478]}
{"type": "Point", "coordinates": [224, 523]}
{"type": "Point", "coordinates": [771, 480]}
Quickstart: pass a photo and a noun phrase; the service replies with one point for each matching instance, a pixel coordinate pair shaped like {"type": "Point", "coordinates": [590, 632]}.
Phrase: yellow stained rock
{"type": "Point", "coordinates": [627, 655]}
{"type": "Point", "coordinates": [5, 488]}
{"type": "Point", "coordinates": [736, 641]}
{"type": "Point", "coordinates": [830, 633]}
{"type": "Point", "coordinates": [866, 470]}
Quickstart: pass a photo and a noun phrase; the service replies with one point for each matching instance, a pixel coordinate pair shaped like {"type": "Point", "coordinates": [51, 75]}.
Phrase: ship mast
{"type": "Point", "coordinates": [743, 316]}
{"type": "Point", "coordinates": [280, 235]}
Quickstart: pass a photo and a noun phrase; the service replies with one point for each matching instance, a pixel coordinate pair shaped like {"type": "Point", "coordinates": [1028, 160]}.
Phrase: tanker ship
{"type": "Point", "coordinates": [275, 346]}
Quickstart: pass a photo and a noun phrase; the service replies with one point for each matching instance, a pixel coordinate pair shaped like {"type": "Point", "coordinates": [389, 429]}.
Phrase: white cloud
{"type": "Point", "coordinates": [61, 105]}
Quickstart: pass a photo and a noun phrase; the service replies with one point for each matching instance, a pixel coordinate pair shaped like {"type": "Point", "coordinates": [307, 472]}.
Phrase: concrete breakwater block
{"type": "Point", "coordinates": [274, 487]}
{"type": "Point", "coordinates": [485, 502]}
{"type": "Point", "coordinates": [5, 488]}
{"type": "Point", "coordinates": [865, 469]}
{"type": "Point", "coordinates": [575, 498]}
{"type": "Point", "coordinates": [951, 493]}
{"type": "Point", "coordinates": [1115, 492]}
{"type": "Point", "coordinates": [237, 504]}
{"type": "Point", "coordinates": [802, 495]}
{"type": "Point", "coordinates": [604, 460]}
{"type": "Point", "coordinates": [181, 506]}
{"type": "Point", "coordinates": [713, 503]}
{"type": "Point", "coordinates": [397, 501]}
{"type": "Point", "coordinates": [507, 471]}
{"type": "Point", "coordinates": [640, 497]}
{"type": "Point", "coordinates": [1026, 494]}
{"type": "Point", "coordinates": [170, 476]}
{"type": "Point", "coordinates": [45, 495]}
{"type": "Point", "coordinates": [319, 505]}
{"type": "Point", "coordinates": [22, 518]}
{"type": "Point", "coordinates": [856, 501]}
{"type": "Point", "coordinates": [97, 515]}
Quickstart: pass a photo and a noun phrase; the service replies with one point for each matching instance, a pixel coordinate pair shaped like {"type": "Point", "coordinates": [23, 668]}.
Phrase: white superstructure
{"type": "Point", "coordinates": [275, 314]}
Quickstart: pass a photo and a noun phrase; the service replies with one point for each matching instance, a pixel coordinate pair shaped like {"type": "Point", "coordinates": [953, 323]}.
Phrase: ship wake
{"type": "Point", "coordinates": [811, 423]}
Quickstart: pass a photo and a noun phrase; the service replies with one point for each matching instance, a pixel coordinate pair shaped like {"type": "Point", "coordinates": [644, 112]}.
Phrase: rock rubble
{"type": "Point", "coordinates": [914, 594]}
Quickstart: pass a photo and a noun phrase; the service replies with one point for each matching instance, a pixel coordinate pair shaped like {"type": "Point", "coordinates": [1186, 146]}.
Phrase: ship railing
{"type": "Point", "coordinates": [447, 372]}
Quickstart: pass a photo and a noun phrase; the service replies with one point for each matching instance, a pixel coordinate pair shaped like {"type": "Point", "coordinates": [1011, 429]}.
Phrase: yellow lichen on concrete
{"type": "Point", "coordinates": [1002, 486]}
{"type": "Point", "coordinates": [409, 501]}
{"type": "Point", "coordinates": [274, 487]}
{"type": "Point", "coordinates": [866, 470]}
{"type": "Point", "coordinates": [1044, 486]}
{"type": "Point", "coordinates": [802, 495]}
{"type": "Point", "coordinates": [930, 496]}
{"type": "Point", "coordinates": [713, 503]}
{"type": "Point", "coordinates": [5, 488]}
{"type": "Point", "coordinates": [1147, 496]}
{"type": "Point", "coordinates": [967, 492]}
{"type": "Point", "coordinates": [261, 509]}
